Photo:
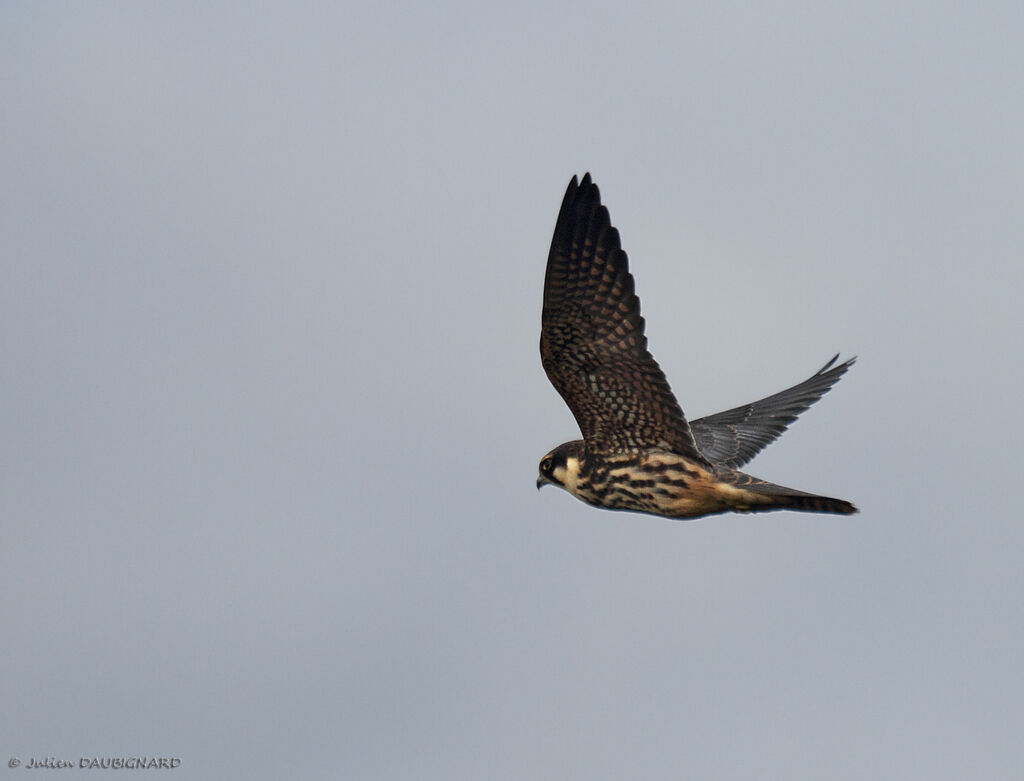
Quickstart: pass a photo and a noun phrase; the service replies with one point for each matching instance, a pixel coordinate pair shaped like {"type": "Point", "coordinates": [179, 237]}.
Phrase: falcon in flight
{"type": "Point", "coordinates": [638, 452]}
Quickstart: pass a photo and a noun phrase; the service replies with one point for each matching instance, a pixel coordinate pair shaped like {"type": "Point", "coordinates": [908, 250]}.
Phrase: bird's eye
{"type": "Point", "coordinates": [545, 465]}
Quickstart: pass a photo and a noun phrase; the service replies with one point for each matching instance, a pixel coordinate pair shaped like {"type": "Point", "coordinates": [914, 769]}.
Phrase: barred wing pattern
{"type": "Point", "coordinates": [592, 341]}
{"type": "Point", "coordinates": [733, 437]}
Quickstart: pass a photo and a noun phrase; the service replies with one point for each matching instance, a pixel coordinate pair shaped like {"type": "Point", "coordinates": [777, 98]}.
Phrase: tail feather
{"type": "Point", "coordinates": [813, 503]}
{"type": "Point", "coordinates": [769, 496]}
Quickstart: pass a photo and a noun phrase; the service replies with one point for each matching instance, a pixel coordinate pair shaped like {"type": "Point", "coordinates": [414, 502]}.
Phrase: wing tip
{"type": "Point", "coordinates": [840, 369]}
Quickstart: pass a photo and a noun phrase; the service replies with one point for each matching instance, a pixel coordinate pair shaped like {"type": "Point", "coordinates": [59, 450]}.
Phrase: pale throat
{"type": "Point", "coordinates": [568, 475]}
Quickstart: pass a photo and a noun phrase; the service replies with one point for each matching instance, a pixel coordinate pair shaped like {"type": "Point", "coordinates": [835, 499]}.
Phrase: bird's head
{"type": "Point", "coordinates": [562, 466]}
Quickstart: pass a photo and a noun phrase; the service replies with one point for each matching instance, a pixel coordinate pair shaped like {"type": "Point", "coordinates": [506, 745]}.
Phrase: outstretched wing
{"type": "Point", "coordinates": [592, 341]}
{"type": "Point", "coordinates": [733, 437]}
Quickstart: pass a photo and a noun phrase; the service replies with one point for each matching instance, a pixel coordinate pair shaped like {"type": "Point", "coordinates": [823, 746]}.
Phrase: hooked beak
{"type": "Point", "coordinates": [542, 481]}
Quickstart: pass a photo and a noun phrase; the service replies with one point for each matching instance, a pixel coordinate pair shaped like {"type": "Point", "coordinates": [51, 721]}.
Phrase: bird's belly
{"type": "Point", "coordinates": [658, 483]}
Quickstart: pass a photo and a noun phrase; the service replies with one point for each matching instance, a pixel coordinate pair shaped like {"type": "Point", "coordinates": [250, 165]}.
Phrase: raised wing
{"type": "Point", "coordinates": [592, 341]}
{"type": "Point", "coordinates": [733, 437]}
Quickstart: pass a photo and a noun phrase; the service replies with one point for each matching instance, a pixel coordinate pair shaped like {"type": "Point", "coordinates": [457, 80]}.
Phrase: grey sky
{"type": "Point", "coordinates": [272, 402]}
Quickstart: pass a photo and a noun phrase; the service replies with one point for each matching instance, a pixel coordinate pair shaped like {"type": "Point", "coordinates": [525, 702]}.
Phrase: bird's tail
{"type": "Point", "coordinates": [813, 503]}
{"type": "Point", "coordinates": [766, 496]}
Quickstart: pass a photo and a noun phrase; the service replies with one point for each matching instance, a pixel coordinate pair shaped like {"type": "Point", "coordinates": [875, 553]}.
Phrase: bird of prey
{"type": "Point", "coordinates": [638, 452]}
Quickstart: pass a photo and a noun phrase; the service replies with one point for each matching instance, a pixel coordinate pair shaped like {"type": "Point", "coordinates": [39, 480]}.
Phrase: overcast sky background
{"type": "Point", "coordinates": [272, 404]}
